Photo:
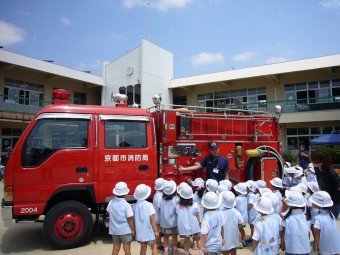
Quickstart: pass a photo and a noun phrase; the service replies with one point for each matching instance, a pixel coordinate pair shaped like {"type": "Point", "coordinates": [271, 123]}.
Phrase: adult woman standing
{"type": "Point", "coordinates": [327, 178]}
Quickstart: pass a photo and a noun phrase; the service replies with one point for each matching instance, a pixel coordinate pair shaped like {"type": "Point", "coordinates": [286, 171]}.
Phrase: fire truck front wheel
{"type": "Point", "coordinates": [67, 225]}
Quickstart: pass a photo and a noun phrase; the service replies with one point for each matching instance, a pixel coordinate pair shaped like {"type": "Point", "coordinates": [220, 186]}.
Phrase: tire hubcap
{"type": "Point", "coordinates": [68, 226]}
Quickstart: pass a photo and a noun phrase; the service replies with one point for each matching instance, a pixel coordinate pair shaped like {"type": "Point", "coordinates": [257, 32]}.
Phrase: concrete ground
{"type": "Point", "coordinates": [28, 239]}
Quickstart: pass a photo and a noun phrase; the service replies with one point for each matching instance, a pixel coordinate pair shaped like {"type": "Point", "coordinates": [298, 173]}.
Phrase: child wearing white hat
{"type": "Point", "coordinates": [121, 219]}
{"type": "Point", "coordinates": [226, 183]}
{"type": "Point", "coordinates": [144, 220]}
{"type": "Point", "coordinates": [277, 189]}
{"type": "Point", "coordinates": [287, 181]}
{"type": "Point", "coordinates": [199, 186]}
{"type": "Point", "coordinates": [264, 229]}
{"type": "Point", "coordinates": [212, 235]}
{"type": "Point", "coordinates": [159, 185]}
{"type": "Point", "coordinates": [295, 227]}
{"type": "Point", "coordinates": [310, 173]}
{"type": "Point", "coordinates": [187, 217]}
{"type": "Point", "coordinates": [326, 233]}
{"type": "Point", "coordinates": [168, 216]}
{"type": "Point", "coordinates": [241, 205]}
{"type": "Point", "coordinates": [233, 224]}
{"type": "Point", "coordinates": [252, 213]}
{"type": "Point", "coordinates": [211, 185]}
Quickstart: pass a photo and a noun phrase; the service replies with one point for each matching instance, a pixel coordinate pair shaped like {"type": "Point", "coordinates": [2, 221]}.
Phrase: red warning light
{"type": "Point", "coordinates": [60, 96]}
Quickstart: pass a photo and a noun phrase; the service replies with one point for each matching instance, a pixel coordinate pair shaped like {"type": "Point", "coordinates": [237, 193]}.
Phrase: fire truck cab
{"type": "Point", "coordinates": [66, 163]}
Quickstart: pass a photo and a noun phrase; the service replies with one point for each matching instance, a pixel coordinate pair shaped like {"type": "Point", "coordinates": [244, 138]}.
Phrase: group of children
{"type": "Point", "coordinates": [214, 215]}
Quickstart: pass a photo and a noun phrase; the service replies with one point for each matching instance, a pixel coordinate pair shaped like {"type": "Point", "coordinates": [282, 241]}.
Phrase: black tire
{"type": "Point", "coordinates": [67, 225]}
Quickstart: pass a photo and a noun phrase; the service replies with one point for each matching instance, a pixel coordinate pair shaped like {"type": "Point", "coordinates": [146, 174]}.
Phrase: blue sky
{"type": "Point", "coordinates": [204, 36]}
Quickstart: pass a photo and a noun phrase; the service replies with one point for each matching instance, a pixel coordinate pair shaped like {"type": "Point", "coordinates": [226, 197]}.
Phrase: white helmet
{"type": "Point", "coordinates": [159, 184]}
{"type": "Point", "coordinates": [211, 185]}
{"type": "Point", "coordinates": [169, 187]}
{"type": "Point", "coordinates": [121, 189]}
{"type": "Point", "coordinates": [241, 188]}
{"type": "Point", "coordinates": [210, 200]}
{"type": "Point", "coordinates": [142, 192]}
{"type": "Point", "coordinates": [264, 205]}
{"type": "Point", "coordinates": [276, 182]}
{"type": "Point", "coordinates": [186, 192]}
{"type": "Point", "coordinates": [228, 199]}
{"type": "Point", "coordinates": [294, 198]}
{"type": "Point", "coordinates": [322, 199]}
{"type": "Point", "coordinates": [226, 183]}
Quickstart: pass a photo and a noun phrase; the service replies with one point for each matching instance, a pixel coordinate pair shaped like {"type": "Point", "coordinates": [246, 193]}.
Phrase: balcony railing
{"type": "Point", "coordinates": [30, 106]}
{"type": "Point", "coordinates": [20, 104]}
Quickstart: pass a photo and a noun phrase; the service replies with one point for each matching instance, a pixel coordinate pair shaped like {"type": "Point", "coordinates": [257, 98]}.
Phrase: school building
{"type": "Point", "coordinates": [308, 90]}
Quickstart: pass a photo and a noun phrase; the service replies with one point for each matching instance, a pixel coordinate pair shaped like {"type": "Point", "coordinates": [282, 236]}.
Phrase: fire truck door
{"type": "Point", "coordinates": [268, 169]}
{"type": "Point", "coordinates": [125, 152]}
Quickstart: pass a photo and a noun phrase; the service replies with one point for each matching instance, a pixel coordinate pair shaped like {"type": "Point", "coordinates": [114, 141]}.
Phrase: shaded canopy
{"type": "Point", "coordinates": [330, 139]}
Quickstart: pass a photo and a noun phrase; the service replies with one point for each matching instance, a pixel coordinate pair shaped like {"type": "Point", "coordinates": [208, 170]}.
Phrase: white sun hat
{"type": "Point", "coordinates": [265, 190]}
{"type": "Point", "coordinates": [241, 188]}
{"type": "Point", "coordinates": [295, 188]}
{"type": "Point", "coordinates": [313, 186]}
{"type": "Point", "coordinates": [121, 189]}
{"type": "Point", "coordinates": [274, 198]}
{"type": "Point", "coordinates": [298, 168]}
{"type": "Point", "coordinates": [291, 170]}
{"type": "Point", "coordinates": [142, 192]}
{"type": "Point", "coordinates": [264, 205]}
{"type": "Point", "coordinates": [251, 185]}
{"type": "Point", "coordinates": [169, 187]}
{"type": "Point", "coordinates": [228, 199]}
{"type": "Point", "coordinates": [322, 199]}
{"type": "Point", "coordinates": [210, 200]}
{"type": "Point", "coordinates": [186, 192]}
{"type": "Point", "coordinates": [311, 167]}
{"type": "Point", "coordinates": [181, 186]}
{"type": "Point", "coordinates": [159, 183]}
{"type": "Point", "coordinates": [198, 182]}
{"type": "Point", "coordinates": [261, 184]}
{"type": "Point", "coordinates": [226, 183]}
{"type": "Point", "coordinates": [277, 182]}
{"type": "Point", "coordinates": [298, 173]}
{"type": "Point", "coordinates": [221, 188]}
{"type": "Point", "coordinates": [294, 198]}
{"type": "Point", "coordinates": [211, 185]}
{"type": "Point", "coordinates": [303, 187]}
{"type": "Point", "coordinates": [288, 164]}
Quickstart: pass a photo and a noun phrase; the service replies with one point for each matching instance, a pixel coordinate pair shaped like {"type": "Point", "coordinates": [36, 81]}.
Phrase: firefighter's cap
{"type": "Point", "coordinates": [213, 145]}
{"type": "Point", "coordinates": [121, 189]}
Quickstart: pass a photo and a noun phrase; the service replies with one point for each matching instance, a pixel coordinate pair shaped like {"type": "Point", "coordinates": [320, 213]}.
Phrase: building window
{"type": "Point", "coordinates": [133, 93]}
{"type": "Point", "coordinates": [180, 100]}
{"type": "Point", "coordinates": [248, 99]}
{"type": "Point", "coordinates": [79, 98]}
{"type": "Point", "coordinates": [303, 135]}
{"type": "Point", "coordinates": [22, 92]}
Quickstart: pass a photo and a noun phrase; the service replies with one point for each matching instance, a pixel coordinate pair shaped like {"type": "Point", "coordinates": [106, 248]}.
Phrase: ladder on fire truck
{"type": "Point", "coordinates": [225, 123]}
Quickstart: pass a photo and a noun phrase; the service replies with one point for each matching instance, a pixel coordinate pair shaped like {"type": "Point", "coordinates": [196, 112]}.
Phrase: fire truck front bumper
{"type": "Point", "coordinates": [7, 214]}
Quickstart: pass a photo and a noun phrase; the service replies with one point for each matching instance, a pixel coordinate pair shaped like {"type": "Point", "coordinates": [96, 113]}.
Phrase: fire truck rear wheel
{"type": "Point", "coordinates": [67, 225]}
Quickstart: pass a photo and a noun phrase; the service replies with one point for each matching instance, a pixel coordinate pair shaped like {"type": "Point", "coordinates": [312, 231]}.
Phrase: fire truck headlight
{"type": "Point", "coordinates": [278, 109]}
{"type": "Point", "coordinates": [157, 99]}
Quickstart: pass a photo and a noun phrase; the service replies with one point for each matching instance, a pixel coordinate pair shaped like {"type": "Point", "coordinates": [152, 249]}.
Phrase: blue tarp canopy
{"type": "Point", "coordinates": [329, 139]}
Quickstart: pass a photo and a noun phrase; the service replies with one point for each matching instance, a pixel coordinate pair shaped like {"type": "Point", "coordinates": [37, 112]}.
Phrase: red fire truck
{"type": "Point", "coordinates": [63, 168]}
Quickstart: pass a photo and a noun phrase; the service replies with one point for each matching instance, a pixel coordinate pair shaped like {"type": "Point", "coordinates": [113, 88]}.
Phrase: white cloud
{"type": "Point", "coordinates": [205, 58]}
{"type": "Point", "coordinates": [330, 4]}
{"type": "Point", "coordinates": [162, 5]}
{"type": "Point", "coordinates": [273, 60]}
{"type": "Point", "coordinates": [65, 21]}
{"type": "Point", "coordinates": [10, 34]}
{"type": "Point", "coordinates": [85, 66]}
{"type": "Point", "coordinates": [245, 56]}
{"type": "Point", "coordinates": [118, 37]}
